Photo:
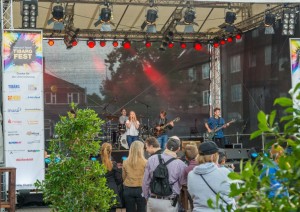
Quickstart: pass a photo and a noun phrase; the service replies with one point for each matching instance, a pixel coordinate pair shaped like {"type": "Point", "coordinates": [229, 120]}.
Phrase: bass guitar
{"type": "Point", "coordinates": [210, 135]}
{"type": "Point", "coordinates": [157, 132]}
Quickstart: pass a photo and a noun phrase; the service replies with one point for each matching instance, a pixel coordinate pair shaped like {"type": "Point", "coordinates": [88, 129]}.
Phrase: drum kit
{"type": "Point", "coordinates": [115, 133]}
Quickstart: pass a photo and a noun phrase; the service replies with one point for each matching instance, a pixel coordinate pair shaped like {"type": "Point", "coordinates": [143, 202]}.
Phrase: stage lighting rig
{"type": "Point", "coordinates": [289, 21]}
{"type": "Point", "coordinates": [105, 18]}
{"type": "Point", "coordinates": [70, 38]}
{"type": "Point", "coordinates": [269, 22]}
{"type": "Point", "coordinates": [57, 17]}
{"type": "Point", "coordinates": [29, 12]}
{"type": "Point", "coordinates": [188, 20]}
{"type": "Point", "coordinates": [151, 17]}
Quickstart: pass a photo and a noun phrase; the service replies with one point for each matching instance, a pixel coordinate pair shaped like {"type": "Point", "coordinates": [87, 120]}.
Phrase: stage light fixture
{"type": "Point", "coordinates": [29, 12]}
{"type": "Point", "coordinates": [57, 17]}
{"type": "Point", "coordinates": [269, 22]}
{"type": "Point", "coordinates": [70, 38]}
{"type": "Point", "coordinates": [126, 44]}
{"type": "Point", "coordinates": [170, 45]}
{"type": "Point", "coordinates": [222, 41]}
{"type": "Point", "coordinates": [102, 43]}
{"type": "Point", "coordinates": [50, 42]}
{"type": "Point", "coordinates": [104, 19]}
{"type": "Point", "coordinates": [151, 16]}
{"type": "Point", "coordinates": [230, 17]}
{"type": "Point", "coordinates": [91, 43]}
{"type": "Point", "coordinates": [229, 39]}
{"type": "Point", "coordinates": [74, 42]}
{"type": "Point", "coordinates": [115, 43]}
{"type": "Point", "coordinates": [148, 44]}
{"type": "Point", "coordinates": [216, 44]}
{"type": "Point", "coordinates": [182, 44]}
{"type": "Point", "coordinates": [238, 36]}
{"type": "Point", "coordinates": [289, 21]}
{"type": "Point", "coordinates": [189, 16]}
{"type": "Point", "coordinates": [197, 46]}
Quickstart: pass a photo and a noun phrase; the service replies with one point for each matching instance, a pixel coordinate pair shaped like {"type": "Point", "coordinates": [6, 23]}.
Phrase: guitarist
{"type": "Point", "coordinates": [215, 122]}
{"type": "Point", "coordinates": [162, 137]}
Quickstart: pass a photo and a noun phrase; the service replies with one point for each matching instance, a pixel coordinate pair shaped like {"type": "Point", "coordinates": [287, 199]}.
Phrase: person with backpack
{"type": "Point", "coordinates": [163, 179]}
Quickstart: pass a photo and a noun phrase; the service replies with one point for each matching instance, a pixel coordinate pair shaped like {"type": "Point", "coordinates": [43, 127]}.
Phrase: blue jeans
{"type": "Point", "coordinates": [131, 139]}
{"type": "Point", "coordinates": [134, 202]}
{"type": "Point", "coordinates": [162, 140]}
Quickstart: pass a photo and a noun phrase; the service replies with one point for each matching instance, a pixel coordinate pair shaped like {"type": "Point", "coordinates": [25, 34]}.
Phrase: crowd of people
{"type": "Point", "coordinates": [198, 170]}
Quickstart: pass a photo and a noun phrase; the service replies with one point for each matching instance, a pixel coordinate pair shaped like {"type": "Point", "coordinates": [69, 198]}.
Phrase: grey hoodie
{"type": "Point", "coordinates": [200, 192]}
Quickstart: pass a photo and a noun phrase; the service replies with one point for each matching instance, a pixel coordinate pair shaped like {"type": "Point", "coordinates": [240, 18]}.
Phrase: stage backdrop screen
{"type": "Point", "coordinates": [23, 108]}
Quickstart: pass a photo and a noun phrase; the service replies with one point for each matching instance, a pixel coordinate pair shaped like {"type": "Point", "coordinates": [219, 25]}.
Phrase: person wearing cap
{"type": "Point", "coordinates": [207, 180]}
{"type": "Point", "coordinates": [176, 178]}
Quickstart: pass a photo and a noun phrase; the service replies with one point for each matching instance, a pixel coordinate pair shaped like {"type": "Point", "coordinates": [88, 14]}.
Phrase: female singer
{"type": "Point", "coordinates": [132, 126]}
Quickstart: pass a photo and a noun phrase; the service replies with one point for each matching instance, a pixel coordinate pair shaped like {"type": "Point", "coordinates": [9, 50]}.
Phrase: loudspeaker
{"type": "Point", "coordinates": [237, 154]}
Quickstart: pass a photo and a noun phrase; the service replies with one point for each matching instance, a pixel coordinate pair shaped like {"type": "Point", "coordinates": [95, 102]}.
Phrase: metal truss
{"type": "Point", "coordinates": [7, 14]}
{"type": "Point", "coordinates": [215, 77]}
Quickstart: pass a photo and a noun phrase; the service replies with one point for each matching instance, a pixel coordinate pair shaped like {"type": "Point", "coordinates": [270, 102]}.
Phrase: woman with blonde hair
{"type": "Point", "coordinates": [133, 174]}
{"type": "Point", "coordinates": [113, 175]}
{"type": "Point", "coordinates": [276, 188]}
{"type": "Point", "coordinates": [132, 126]}
{"type": "Point", "coordinates": [207, 180]}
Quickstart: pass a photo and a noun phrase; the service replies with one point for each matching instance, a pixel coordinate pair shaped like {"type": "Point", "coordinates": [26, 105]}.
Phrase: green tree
{"type": "Point", "coordinates": [251, 190]}
{"type": "Point", "coordinates": [74, 182]}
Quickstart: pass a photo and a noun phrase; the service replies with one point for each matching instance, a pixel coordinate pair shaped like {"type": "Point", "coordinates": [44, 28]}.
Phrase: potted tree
{"type": "Point", "coordinates": [73, 181]}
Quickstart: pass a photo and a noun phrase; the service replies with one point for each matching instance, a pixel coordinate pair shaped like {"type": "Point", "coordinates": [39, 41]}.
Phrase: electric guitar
{"type": "Point", "coordinates": [210, 135]}
{"type": "Point", "coordinates": [157, 132]}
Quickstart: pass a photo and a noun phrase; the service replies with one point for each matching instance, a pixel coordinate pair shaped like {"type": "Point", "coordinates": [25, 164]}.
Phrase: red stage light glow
{"type": "Point", "coordinates": [238, 36]}
{"type": "Point", "coordinates": [171, 45]}
{"type": "Point", "coordinates": [229, 39]}
{"type": "Point", "coordinates": [183, 45]}
{"type": "Point", "coordinates": [216, 44]}
{"type": "Point", "coordinates": [148, 44]}
{"type": "Point", "coordinates": [50, 42]}
{"type": "Point", "coordinates": [74, 43]}
{"type": "Point", "coordinates": [126, 44]}
{"type": "Point", "coordinates": [102, 43]}
{"type": "Point", "coordinates": [197, 46]}
{"type": "Point", "coordinates": [115, 44]}
{"type": "Point", "coordinates": [222, 42]}
{"type": "Point", "coordinates": [91, 43]}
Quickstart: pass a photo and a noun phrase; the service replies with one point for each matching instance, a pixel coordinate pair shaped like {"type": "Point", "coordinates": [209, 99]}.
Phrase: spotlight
{"type": "Point", "coordinates": [288, 21]}
{"type": "Point", "coordinates": [229, 39]}
{"type": "Point", "coordinates": [91, 43]}
{"type": "Point", "coordinates": [230, 17]}
{"type": "Point", "coordinates": [197, 46]}
{"type": "Point", "coordinates": [115, 43]}
{"type": "Point", "coordinates": [151, 16]}
{"type": "Point", "coordinates": [222, 41]}
{"type": "Point", "coordinates": [126, 44]}
{"type": "Point", "coordinates": [102, 43]}
{"type": "Point", "coordinates": [238, 36]}
{"type": "Point", "coordinates": [148, 44]}
{"type": "Point", "coordinates": [50, 42]}
{"type": "Point", "coordinates": [170, 45]}
{"type": "Point", "coordinates": [29, 12]}
{"type": "Point", "coordinates": [57, 17]}
{"type": "Point", "coordinates": [216, 44]}
{"type": "Point", "coordinates": [74, 42]}
{"type": "Point", "coordinates": [269, 22]}
{"type": "Point", "coordinates": [104, 16]}
{"type": "Point", "coordinates": [182, 44]}
{"type": "Point", "coordinates": [189, 16]}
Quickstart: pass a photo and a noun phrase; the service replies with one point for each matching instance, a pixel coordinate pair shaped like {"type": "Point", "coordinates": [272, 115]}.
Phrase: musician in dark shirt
{"type": "Point", "coordinates": [161, 127]}
{"type": "Point", "coordinates": [214, 123]}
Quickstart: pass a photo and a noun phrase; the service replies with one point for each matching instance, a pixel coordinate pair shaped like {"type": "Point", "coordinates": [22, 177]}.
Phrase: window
{"type": "Point", "coordinates": [282, 63]}
{"type": "Point", "coordinates": [235, 63]}
{"type": "Point", "coordinates": [205, 71]}
{"type": "Point", "coordinates": [268, 55]}
{"type": "Point", "coordinates": [236, 93]}
{"type": "Point", "coordinates": [192, 74]}
{"type": "Point", "coordinates": [73, 97]}
{"type": "Point", "coordinates": [252, 60]}
{"type": "Point", "coordinates": [206, 97]}
{"type": "Point", "coordinates": [50, 98]}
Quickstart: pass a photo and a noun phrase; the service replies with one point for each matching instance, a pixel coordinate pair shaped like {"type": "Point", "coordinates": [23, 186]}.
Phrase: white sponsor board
{"type": "Point", "coordinates": [23, 106]}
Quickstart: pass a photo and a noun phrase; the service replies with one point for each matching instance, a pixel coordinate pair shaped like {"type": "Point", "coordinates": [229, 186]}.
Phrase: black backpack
{"type": "Point", "coordinates": [160, 184]}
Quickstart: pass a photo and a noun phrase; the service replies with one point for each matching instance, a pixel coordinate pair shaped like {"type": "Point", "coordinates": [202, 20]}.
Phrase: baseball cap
{"type": "Point", "coordinates": [208, 148]}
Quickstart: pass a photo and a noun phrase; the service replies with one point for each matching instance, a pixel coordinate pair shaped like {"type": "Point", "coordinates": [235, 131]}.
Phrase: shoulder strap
{"type": "Point", "coordinates": [169, 161]}
{"type": "Point", "coordinates": [213, 190]}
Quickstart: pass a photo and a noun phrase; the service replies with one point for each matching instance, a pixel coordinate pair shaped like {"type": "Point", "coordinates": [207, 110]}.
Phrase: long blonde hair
{"type": "Point", "coordinates": [276, 152]}
{"type": "Point", "coordinates": [134, 116]}
{"type": "Point", "coordinates": [105, 156]}
{"type": "Point", "coordinates": [136, 153]}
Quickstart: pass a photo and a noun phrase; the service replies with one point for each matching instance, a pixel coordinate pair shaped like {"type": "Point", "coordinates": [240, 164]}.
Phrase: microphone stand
{"type": "Point", "coordinates": [147, 112]}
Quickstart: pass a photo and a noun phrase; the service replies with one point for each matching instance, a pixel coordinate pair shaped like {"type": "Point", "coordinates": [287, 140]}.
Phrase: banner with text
{"type": "Point", "coordinates": [23, 106]}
